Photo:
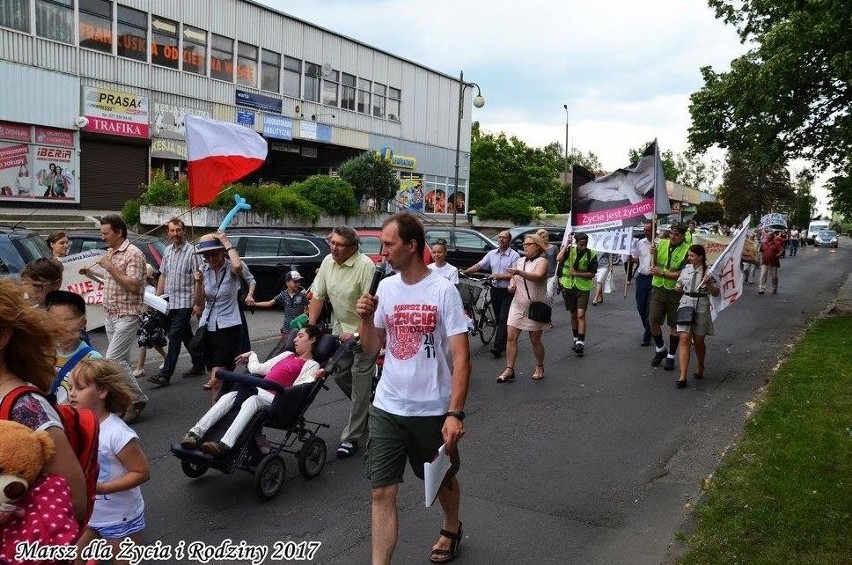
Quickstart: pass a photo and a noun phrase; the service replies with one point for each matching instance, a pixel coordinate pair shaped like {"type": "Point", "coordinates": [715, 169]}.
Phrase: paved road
{"type": "Point", "coordinates": [600, 462]}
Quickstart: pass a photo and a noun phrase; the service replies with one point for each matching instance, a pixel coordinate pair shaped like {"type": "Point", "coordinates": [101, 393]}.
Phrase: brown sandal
{"type": "Point", "coordinates": [447, 555]}
{"type": "Point", "coordinates": [506, 378]}
{"type": "Point", "coordinates": [538, 375]}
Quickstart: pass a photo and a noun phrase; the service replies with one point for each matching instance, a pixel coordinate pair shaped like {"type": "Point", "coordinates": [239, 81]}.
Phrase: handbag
{"type": "Point", "coordinates": [198, 342]}
{"type": "Point", "coordinates": [538, 311]}
{"type": "Point", "coordinates": [686, 314]}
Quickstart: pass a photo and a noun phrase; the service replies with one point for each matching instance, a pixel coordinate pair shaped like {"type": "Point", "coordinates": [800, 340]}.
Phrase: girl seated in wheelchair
{"type": "Point", "coordinates": [287, 369]}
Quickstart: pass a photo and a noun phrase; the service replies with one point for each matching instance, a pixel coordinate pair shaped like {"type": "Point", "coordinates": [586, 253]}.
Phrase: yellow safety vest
{"type": "Point", "coordinates": [669, 261]}
{"type": "Point", "coordinates": [579, 283]}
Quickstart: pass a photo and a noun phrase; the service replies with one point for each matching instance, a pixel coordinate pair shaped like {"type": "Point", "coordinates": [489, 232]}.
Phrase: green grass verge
{"type": "Point", "coordinates": [784, 494]}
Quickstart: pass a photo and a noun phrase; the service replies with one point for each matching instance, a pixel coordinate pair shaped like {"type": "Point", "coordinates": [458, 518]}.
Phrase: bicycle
{"type": "Point", "coordinates": [477, 305]}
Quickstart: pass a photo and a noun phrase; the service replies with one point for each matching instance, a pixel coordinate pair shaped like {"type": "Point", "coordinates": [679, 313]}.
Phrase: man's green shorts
{"type": "Point", "coordinates": [664, 303]}
{"type": "Point", "coordinates": [393, 439]}
{"type": "Point", "coordinates": [575, 299]}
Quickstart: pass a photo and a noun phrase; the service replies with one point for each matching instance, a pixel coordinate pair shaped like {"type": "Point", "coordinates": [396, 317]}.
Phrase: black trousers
{"type": "Point", "coordinates": [501, 298]}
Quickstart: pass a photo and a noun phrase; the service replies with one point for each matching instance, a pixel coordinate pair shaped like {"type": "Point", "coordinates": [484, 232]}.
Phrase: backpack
{"type": "Point", "coordinates": [82, 429]}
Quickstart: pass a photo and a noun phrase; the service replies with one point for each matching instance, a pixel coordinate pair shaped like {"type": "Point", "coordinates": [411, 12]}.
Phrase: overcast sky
{"type": "Point", "coordinates": [624, 68]}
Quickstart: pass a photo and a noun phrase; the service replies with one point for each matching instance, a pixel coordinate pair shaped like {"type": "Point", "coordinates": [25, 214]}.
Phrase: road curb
{"type": "Point", "coordinates": [842, 305]}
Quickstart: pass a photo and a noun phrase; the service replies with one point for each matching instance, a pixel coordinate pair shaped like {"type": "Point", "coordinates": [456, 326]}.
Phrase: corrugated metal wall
{"type": "Point", "coordinates": [429, 99]}
{"type": "Point", "coordinates": [37, 96]}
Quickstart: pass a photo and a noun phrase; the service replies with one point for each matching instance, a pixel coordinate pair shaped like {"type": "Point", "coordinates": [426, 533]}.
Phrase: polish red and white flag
{"type": "Point", "coordinates": [219, 153]}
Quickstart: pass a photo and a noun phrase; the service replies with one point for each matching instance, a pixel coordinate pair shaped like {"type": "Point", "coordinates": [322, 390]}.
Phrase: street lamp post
{"type": "Point", "coordinates": [566, 143]}
{"type": "Point", "coordinates": [479, 102]}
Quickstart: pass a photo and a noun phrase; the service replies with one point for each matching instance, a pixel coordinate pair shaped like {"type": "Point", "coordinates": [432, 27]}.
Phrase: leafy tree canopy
{"type": "Point", "coordinates": [709, 212]}
{"type": "Point", "coordinates": [752, 186]}
{"type": "Point", "coordinates": [791, 94]}
{"type": "Point", "coordinates": [371, 177]}
{"type": "Point", "coordinates": [504, 167]}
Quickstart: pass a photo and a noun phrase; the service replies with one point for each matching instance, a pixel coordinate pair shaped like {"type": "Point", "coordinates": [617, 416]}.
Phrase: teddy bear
{"type": "Point", "coordinates": [34, 506]}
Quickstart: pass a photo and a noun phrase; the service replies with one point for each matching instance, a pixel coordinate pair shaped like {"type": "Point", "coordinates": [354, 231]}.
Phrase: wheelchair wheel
{"type": "Point", "coordinates": [489, 325]}
{"type": "Point", "coordinates": [192, 469]}
{"type": "Point", "coordinates": [312, 457]}
{"type": "Point", "coordinates": [269, 476]}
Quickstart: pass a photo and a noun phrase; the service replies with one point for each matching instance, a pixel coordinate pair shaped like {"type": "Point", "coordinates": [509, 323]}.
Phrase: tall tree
{"type": "Point", "coordinates": [756, 187]}
{"type": "Point", "coordinates": [371, 177]}
{"type": "Point", "coordinates": [506, 167]}
{"type": "Point", "coordinates": [804, 204]}
{"type": "Point", "coordinates": [788, 96]}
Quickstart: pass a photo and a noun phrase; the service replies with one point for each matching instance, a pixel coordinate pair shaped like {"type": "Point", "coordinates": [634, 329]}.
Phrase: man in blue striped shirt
{"type": "Point", "coordinates": [176, 281]}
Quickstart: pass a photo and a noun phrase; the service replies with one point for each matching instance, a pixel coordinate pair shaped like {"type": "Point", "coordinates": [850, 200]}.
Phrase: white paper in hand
{"type": "Point", "coordinates": [434, 474]}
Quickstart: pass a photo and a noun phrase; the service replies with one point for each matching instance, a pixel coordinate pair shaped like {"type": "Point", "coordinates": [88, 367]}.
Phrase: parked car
{"type": "Point", "coordinates": [464, 247]}
{"type": "Point", "coordinates": [371, 245]}
{"type": "Point", "coordinates": [153, 247]}
{"type": "Point", "coordinates": [825, 238]}
{"type": "Point", "coordinates": [270, 253]}
{"type": "Point", "coordinates": [18, 247]}
{"type": "Point", "coordinates": [555, 235]}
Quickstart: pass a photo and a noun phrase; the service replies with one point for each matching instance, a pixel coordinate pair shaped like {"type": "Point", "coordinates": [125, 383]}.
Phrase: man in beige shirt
{"type": "Point", "coordinates": [343, 277]}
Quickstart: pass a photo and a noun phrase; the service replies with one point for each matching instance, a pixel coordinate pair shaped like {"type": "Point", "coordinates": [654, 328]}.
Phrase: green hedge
{"type": "Point", "coordinates": [304, 201]}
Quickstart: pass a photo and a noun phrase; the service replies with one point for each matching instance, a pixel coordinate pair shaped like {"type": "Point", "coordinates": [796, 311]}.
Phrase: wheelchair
{"type": "Point", "coordinates": [286, 413]}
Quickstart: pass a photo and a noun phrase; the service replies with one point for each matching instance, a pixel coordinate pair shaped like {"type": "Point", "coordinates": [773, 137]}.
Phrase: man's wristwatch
{"type": "Point", "coordinates": [456, 414]}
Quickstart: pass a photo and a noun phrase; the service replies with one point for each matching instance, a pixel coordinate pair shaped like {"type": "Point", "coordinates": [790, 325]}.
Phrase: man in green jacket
{"type": "Point", "coordinates": [670, 258]}
{"type": "Point", "coordinates": [578, 265]}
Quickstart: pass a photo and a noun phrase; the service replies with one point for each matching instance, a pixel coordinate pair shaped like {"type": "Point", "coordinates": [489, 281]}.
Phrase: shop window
{"type": "Point", "coordinates": [329, 88]}
{"type": "Point", "coordinates": [55, 20]}
{"type": "Point", "coordinates": [292, 77]}
{"type": "Point", "coordinates": [221, 57]}
{"type": "Point", "coordinates": [194, 50]}
{"type": "Point", "coordinates": [95, 26]}
{"type": "Point", "coordinates": [247, 64]}
{"type": "Point", "coordinates": [164, 42]}
{"type": "Point", "coordinates": [270, 71]}
{"type": "Point", "coordinates": [379, 91]}
{"type": "Point", "coordinates": [132, 33]}
{"type": "Point", "coordinates": [394, 95]}
{"type": "Point", "coordinates": [363, 96]}
{"type": "Point", "coordinates": [348, 90]}
{"type": "Point", "coordinates": [15, 14]}
{"type": "Point", "coordinates": [312, 82]}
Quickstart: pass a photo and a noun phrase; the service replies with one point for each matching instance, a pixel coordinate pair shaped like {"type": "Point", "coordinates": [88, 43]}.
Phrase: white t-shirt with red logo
{"type": "Point", "coordinates": [418, 320]}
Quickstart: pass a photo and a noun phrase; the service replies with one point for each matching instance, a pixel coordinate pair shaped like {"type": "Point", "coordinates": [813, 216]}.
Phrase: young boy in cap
{"type": "Point", "coordinates": [292, 299]}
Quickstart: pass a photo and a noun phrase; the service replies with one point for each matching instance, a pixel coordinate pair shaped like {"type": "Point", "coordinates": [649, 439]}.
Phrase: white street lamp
{"type": "Point", "coordinates": [478, 102]}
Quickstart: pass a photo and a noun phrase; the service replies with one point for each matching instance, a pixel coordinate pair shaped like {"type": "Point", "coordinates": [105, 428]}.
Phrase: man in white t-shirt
{"type": "Point", "coordinates": [418, 317]}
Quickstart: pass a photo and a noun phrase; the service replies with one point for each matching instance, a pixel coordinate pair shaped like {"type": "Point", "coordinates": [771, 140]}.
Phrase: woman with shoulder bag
{"type": "Point", "coordinates": [217, 288]}
{"type": "Point", "coordinates": [529, 310]}
{"type": "Point", "coordinates": [697, 285]}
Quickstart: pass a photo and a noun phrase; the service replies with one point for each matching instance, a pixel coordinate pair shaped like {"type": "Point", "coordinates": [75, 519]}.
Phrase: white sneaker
{"type": "Point", "coordinates": [163, 364]}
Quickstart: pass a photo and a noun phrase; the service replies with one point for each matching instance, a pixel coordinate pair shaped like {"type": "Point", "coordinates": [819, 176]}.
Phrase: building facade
{"type": "Point", "coordinates": [95, 94]}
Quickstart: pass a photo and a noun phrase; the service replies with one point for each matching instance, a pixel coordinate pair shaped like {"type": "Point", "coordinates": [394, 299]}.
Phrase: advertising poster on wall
{"type": "Point", "coordinates": [459, 200]}
{"type": "Point", "coordinates": [410, 195]}
{"type": "Point", "coordinates": [115, 113]}
{"type": "Point", "coordinates": [54, 174]}
{"type": "Point", "coordinates": [436, 201]}
{"type": "Point", "coordinates": [14, 171]}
